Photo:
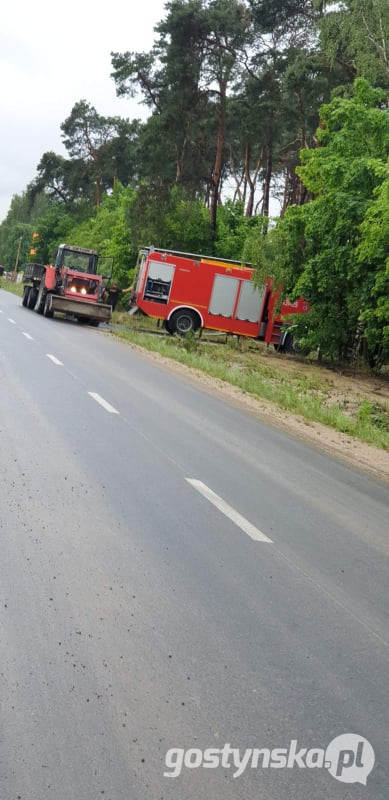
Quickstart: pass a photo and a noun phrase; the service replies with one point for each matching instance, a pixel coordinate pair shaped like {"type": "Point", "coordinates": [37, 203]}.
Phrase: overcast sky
{"type": "Point", "coordinates": [52, 55]}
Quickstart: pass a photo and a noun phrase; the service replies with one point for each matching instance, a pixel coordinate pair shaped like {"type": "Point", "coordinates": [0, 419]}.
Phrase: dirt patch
{"type": "Point", "coordinates": [342, 384]}
{"type": "Point", "coordinates": [356, 453]}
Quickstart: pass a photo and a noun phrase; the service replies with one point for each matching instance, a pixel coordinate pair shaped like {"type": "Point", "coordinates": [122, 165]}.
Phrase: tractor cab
{"type": "Point", "coordinates": [77, 259]}
{"type": "Point", "coordinates": [76, 268]}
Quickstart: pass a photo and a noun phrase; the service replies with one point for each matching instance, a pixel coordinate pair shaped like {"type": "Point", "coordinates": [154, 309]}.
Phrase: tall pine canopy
{"type": "Point", "coordinates": [266, 137]}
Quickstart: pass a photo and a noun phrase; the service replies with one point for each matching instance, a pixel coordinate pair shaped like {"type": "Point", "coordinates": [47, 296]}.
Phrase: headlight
{"type": "Point", "coordinates": [83, 290]}
{"type": "Point", "coordinates": [73, 289]}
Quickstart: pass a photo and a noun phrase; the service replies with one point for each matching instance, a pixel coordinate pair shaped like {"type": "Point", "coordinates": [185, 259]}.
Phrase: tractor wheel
{"type": "Point", "coordinates": [40, 300]}
{"type": "Point", "coordinates": [26, 292]}
{"type": "Point", "coordinates": [47, 310]}
{"type": "Point", "coordinates": [32, 295]}
{"type": "Point", "coordinates": [184, 321]}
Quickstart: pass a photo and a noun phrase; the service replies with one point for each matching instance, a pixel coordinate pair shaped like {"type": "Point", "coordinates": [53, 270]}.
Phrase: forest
{"type": "Point", "coordinates": [266, 140]}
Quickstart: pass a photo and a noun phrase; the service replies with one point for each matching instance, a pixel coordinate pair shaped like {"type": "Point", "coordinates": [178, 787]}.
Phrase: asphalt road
{"type": "Point", "coordinates": [139, 613]}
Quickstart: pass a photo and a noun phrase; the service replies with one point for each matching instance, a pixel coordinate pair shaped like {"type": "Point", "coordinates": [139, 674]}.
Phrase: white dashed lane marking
{"type": "Point", "coordinates": [103, 403]}
{"type": "Point", "coordinates": [229, 512]}
{"type": "Point", "coordinates": [54, 359]}
{"type": "Point", "coordinates": [27, 335]}
{"type": "Point", "coordinates": [11, 320]}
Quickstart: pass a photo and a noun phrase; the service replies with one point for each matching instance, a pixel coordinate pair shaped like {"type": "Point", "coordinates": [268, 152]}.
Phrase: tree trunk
{"type": "Point", "coordinates": [285, 199]}
{"type": "Point", "coordinates": [98, 180]}
{"type": "Point", "coordinates": [267, 179]}
{"type": "Point", "coordinates": [291, 191]}
{"type": "Point", "coordinates": [295, 192]}
{"type": "Point", "coordinates": [98, 192]}
{"type": "Point", "coordinates": [216, 174]}
{"type": "Point", "coordinates": [302, 196]}
{"type": "Point", "coordinates": [180, 161]}
{"type": "Point", "coordinates": [244, 192]}
{"type": "Point", "coordinates": [251, 181]}
{"type": "Point", "coordinates": [238, 181]}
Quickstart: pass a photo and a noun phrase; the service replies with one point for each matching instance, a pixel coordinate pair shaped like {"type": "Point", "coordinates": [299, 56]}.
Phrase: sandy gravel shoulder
{"type": "Point", "coordinates": [357, 454]}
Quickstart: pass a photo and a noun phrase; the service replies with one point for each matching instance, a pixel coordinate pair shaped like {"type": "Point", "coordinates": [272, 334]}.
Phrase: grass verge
{"type": "Point", "coordinates": [10, 286]}
{"type": "Point", "coordinates": [310, 397]}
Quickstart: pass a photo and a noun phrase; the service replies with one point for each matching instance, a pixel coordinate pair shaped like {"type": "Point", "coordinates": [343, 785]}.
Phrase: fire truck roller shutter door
{"type": "Point", "coordinates": [250, 302]}
{"type": "Point", "coordinates": [223, 295]}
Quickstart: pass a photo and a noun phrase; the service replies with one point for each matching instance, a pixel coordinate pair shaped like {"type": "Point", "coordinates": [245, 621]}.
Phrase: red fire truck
{"type": "Point", "coordinates": [192, 291]}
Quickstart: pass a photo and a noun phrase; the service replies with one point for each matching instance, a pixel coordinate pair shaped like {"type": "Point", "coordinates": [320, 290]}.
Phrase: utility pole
{"type": "Point", "coordinates": [17, 259]}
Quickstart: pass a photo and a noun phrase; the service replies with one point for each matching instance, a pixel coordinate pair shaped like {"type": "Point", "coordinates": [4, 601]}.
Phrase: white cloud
{"type": "Point", "coordinates": [51, 56]}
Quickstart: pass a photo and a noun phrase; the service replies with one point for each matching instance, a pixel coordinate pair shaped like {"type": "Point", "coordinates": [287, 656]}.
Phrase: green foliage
{"type": "Point", "coordinates": [187, 224]}
{"type": "Point", "coordinates": [355, 34]}
{"type": "Point", "coordinates": [52, 229]}
{"type": "Point", "coordinates": [278, 252]}
{"type": "Point", "coordinates": [232, 231]}
{"type": "Point", "coordinates": [107, 230]}
{"type": "Point", "coordinates": [11, 286]}
{"type": "Point", "coordinates": [174, 221]}
{"type": "Point", "coordinates": [20, 224]}
{"type": "Point", "coordinates": [373, 256]}
{"type": "Point", "coordinates": [234, 89]}
{"type": "Point", "coordinates": [9, 244]}
{"type": "Point", "coordinates": [174, 143]}
{"type": "Point", "coordinates": [323, 249]}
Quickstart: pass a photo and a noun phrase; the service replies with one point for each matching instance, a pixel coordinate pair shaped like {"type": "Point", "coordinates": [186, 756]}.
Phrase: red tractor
{"type": "Point", "coordinates": [71, 285]}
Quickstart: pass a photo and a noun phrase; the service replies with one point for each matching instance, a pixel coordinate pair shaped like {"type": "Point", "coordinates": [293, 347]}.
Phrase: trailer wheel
{"type": "Point", "coordinates": [26, 292]}
{"type": "Point", "coordinates": [94, 322]}
{"type": "Point", "coordinates": [31, 300]}
{"type": "Point", "coordinates": [47, 310]}
{"type": "Point", "coordinates": [184, 321]}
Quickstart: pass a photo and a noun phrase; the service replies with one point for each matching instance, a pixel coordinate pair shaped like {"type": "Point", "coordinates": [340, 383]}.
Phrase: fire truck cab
{"type": "Point", "coordinates": [190, 291]}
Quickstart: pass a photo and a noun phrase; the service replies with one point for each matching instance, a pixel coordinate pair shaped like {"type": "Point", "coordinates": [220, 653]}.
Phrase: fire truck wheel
{"type": "Point", "coordinates": [26, 292]}
{"type": "Point", "coordinates": [167, 327]}
{"type": "Point", "coordinates": [47, 310]}
{"type": "Point", "coordinates": [31, 300]}
{"type": "Point", "coordinates": [184, 321]}
{"type": "Point", "coordinates": [289, 345]}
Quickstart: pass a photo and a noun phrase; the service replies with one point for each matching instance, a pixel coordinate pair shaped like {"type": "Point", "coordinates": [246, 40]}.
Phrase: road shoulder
{"type": "Point", "coordinates": [355, 453]}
